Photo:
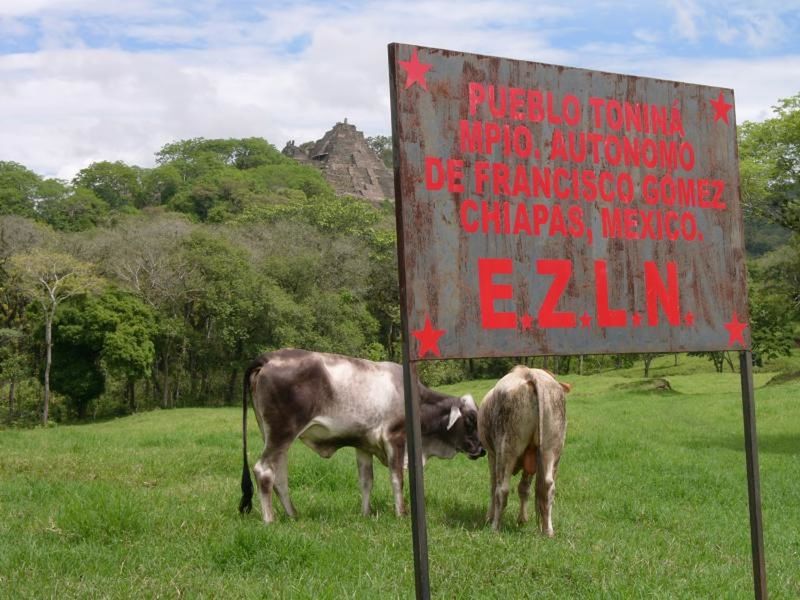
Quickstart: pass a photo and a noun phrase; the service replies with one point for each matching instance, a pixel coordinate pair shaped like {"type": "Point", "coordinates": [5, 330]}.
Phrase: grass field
{"type": "Point", "coordinates": [651, 501]}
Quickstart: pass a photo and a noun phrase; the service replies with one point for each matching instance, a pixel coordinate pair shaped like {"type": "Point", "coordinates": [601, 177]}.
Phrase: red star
{"type": "Point", "coordinates": [526, 320]}
{"type": "Point", "coordinates": [721, 108]}
{"type": "Point", "coordinates": [415, 71]}
{"type": "Point", "coordinates": [735, 329]}
{"type": "Point", "coordinates": [637, 319]}
{"type": "Point", "coordinates": [586, 320]}
{"type": "Point", "coordinates": [428, 338]}
{"type": "Point", "coordinates": [689, 318]}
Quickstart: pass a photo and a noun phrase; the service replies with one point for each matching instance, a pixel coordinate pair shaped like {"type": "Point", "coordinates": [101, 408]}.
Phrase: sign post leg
{"type": "Point", "coordinates": [753, 478]}
{"type": "Point", "coordinates": [416, 480]}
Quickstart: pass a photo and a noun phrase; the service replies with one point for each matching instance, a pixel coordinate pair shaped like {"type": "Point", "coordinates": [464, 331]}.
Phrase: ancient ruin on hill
{"type": "Point", "coordinates": [347, 162]}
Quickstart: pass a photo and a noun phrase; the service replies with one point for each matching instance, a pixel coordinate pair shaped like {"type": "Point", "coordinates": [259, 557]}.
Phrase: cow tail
{"type": "Point", "coordinates": [540, 389]}
{"type": "Point", "coordinates": [534, 382]}
{"type": "Point", "coordinates": [246, 503]}
{"type": "Point", "coordinates": [540, 409]}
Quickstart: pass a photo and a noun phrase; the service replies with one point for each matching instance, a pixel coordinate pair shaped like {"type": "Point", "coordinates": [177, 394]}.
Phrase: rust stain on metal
{"type": "Point", "coordinates": [549, 210]}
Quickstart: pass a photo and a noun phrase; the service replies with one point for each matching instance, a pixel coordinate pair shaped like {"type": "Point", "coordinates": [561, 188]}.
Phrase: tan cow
{"type": "Point", "coordinates": [522, 423]}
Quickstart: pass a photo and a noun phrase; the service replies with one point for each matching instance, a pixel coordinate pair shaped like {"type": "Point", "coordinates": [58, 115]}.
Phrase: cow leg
{"type": "Point", "coordinates": [504, 466]}
{"type": "Point", "coordinates": [271, 472]}
{"type": "Point", "coordinates": [524, 490]}
{"type": "Point", "coordinates": [492, 484]}
{"type": "Point", "coordinates": [265, 478]}
{"type": "Point", "coordinates": [396, 458]}
{"type": "Point", "coordinates": [545, 491]}
{"type": "Point", "coordinates": [281, 467]}
{"type": "Point", "coordinates": [364, 460]}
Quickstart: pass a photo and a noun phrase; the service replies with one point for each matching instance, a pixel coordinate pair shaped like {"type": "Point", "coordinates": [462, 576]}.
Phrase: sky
{"type": "Point", "coordinates": [89, 80]}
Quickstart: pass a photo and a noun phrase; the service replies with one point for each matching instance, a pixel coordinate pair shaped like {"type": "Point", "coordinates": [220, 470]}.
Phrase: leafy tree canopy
{"type": "Point", "coordinates": [117, 184]}
{"type": "Point", "coordinates": [21, 190]}
{"type": "Point", "coordinates": [770, 165]}
{"type": "Point", "coordinates": [192, 157]}
{"type": "Point", "coordinates": [77, 211]}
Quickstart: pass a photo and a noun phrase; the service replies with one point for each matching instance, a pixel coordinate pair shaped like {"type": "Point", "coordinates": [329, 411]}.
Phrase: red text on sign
{"type": "Point", "coordinates": [493, 286]}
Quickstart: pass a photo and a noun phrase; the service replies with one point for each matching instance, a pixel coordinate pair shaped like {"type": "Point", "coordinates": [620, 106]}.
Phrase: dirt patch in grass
{"type": "Point", "coordinates": [784, 378]}
{"type": "Point", "coordinates": [658, 385]}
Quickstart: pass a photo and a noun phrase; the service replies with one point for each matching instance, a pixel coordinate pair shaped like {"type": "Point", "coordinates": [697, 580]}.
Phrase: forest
{"type": "Point", "coordinates": [129, 288]}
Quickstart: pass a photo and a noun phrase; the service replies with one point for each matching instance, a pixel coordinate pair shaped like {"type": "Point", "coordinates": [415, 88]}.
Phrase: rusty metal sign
{"type": "Point", "coordinates": [552, 210]}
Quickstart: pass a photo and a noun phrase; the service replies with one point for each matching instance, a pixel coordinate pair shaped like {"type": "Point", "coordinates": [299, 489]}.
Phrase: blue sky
{"type": "Point", "coordinates": [87, 80]}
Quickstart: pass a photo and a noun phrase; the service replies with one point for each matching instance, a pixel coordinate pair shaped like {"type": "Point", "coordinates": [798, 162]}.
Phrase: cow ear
{"type": "Point", "coordinates": [469, 402]}
{"type": "Point", "coordinates": [455, 412]}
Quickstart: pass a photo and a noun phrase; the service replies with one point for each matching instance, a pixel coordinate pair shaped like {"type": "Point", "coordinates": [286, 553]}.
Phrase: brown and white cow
{"type": "Point", "coordinates": [522, 423]}
{"type": "Point", "coordinates": [330, 401]}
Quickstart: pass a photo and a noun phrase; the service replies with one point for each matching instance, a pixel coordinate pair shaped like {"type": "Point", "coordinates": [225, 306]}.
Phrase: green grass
{"type": "Point", "coordinates": [651, 501]}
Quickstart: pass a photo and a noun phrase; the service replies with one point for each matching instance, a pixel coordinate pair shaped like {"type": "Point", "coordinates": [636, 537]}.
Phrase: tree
{"type": "Point", "coordinates": [76, 370]}
{"type": "Point", "coordinates": [777, 274]}
{"type": "Point", "coordinates": [143, 255]}
{"type": "Point", "coordinates": [213, 197]}
{"type": "Point", "coordinates": [254, 152]}
{"type": "Point", "coordinates": [95, 336]}
{"type": "Point", "coordinates": [49, 278]}
{"type": "Point", "coordinates": [718, 358]}
{"type": "Point", "coordinates": [770, 174]}
{"type": "Point", "coordinates": [774, 298]}
{"type": "Point", "coordinates": [21, 190]}
{"type": "Point", "coordinates": [383, 295]}
{"type": "Point", "coordinates": [770, 165]}
{"type": "Point", "coordinates": [129, 341]}
{"type": "Point", "coordinates": [291, 175]}
{"type": "Point", "coordinates": [159, 185]}
{"type": "Point", "coordinates": [648, 358]}
{"type": "Point", "coordinates": [116, 183]}
{"type": "Point", "coordinates": [12, 364]}
{"type": "Point", "coordinates": [382, 145]}
{"type": "Point", "coordinates": [197, 157]}
{"type": "Point", "coordinates": [17, 235]}
{"type": "Point", "coordinates": [77, 211]}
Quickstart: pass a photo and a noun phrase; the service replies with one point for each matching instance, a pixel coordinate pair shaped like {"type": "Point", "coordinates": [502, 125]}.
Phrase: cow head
{"type": "Point", "coordinates": [462, 427]}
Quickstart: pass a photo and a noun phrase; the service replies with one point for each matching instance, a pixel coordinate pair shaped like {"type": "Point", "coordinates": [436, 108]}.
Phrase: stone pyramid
{"type": "Point", "coordinates": [347, 162]}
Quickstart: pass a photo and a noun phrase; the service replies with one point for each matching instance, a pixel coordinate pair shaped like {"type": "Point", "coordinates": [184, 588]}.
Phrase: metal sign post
{"type": "Point", "coordinates": [419, 532]}
{"type": "Point", "coordinates": [546, 210]}
{"type": "Point", "coordinates": [753, 478]}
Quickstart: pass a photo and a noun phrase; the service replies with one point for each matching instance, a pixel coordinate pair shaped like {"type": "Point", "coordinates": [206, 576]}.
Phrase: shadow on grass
{"type": "Point", "coordinates": [457, 513]}
{"type": "Point", "coordinates": [469, 516]}
{"type": "Point", "coordinates": [769, 443]}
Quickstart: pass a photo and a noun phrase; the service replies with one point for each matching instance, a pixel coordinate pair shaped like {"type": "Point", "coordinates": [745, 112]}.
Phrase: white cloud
{"type": "Point", "coordinates": [69, 104]}
{"type": "Point", "coordinates": [648, 36]}
{"type": "Point", "coordinates": [16, 8]}
{"type": "Point", "coordinates": [687, 13]}
{"type": "Point", "coordinates": [762, 29]}
{"type": "Point", "coordinates": [13, 28]}
{"type": "Point", "coordinates": [757, 83]}
{"type": "Point", "coordinates": [725, 32]}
